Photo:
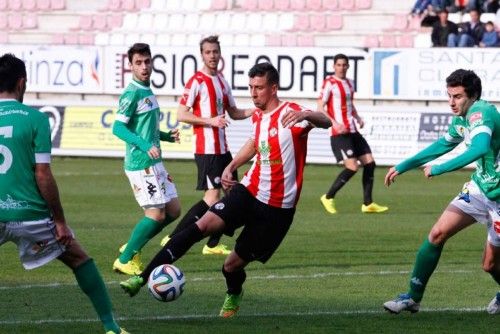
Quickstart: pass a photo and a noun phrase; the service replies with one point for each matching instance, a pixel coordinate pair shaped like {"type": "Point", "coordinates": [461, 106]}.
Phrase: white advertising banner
{"type": "Point", "coordinates": [420, 74]}
{"type": "Point", "coordinates": [61, 69]}
{"type": "Point", "coordinates": [302, 70]}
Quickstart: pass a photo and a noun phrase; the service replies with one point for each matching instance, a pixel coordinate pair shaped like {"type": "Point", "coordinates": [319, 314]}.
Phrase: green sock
{"type": "Point", "coordinates": [425, 263]}
{"type": "Point", "coordinates": [90, 281]}
{"type": "Point", "coordinates": [140, 236]}
{"type": "Point", "coordinates": [160, 227]}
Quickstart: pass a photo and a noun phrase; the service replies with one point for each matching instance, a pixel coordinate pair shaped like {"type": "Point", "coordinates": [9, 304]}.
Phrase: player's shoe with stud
{"type": "Point", "coordinates": [129, 268]}
{"type": "Point", "coordinates": [122, 331]}
{"type": "Point", "coordinates": [132, 285]}
{"type": "Point", "coordinates": [136, 258]}
{"type": "Point", "coordinates": [373, 208]}
{"type": "Point", "coordinates": [220, 249]}
{"type": "Point", "coordinates": [329, 204]}
{"type": "Point", "coordinates": [164, 241]}
{"type": "Point", "coordinates": [402, 303]}
{"type": "Point", "coordinates": [494, 306]}
{"type": "Point", "coordinates": [231, 305]}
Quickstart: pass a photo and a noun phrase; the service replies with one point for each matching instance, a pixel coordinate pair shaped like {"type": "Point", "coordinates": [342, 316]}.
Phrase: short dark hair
{"type": "Point", "coordinates": [340, 56]}
{"type": "Point", "coordinates": [467, 79]}
{"type": "Point", "coordinates": [11, 70]}
{"type": "Point", "coordinates": [213, 39]}
{"type": "Point", "coordinates": [140, 48]}
{"type": "Point", "coordinates": [265, 69]}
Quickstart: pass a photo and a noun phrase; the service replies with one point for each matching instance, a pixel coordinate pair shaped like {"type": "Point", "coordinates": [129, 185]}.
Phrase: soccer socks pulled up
{"type": "Point", "coordinates": [141, 234]}
{"type": "Point", "coordinates": [175, 248]}
{"type": "Point", "coordinates": [234, 281]}
{"type": "Point", "coordinates": [339, 182]}
{"type": "Point", "coordinates": [368, 173]}
{"type": "Point", "coordinates": [214, 239]}
{"type": "Point", "coordinates": [90, 281]}
{"type": "Point", "coordinates": [160, 226]}
{"type": "Point", "coordinates": [427, 259]}
{"type": "Point", "coordinates": [192, 216]}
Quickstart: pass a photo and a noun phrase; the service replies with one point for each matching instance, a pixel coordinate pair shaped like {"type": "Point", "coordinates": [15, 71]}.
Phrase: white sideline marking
{"type": "Point", "coordinates": [253, 315]}
{"type": "Point", "coordinates": [265, 277]}
{"type": "Point", "coordinates": [87, 173]}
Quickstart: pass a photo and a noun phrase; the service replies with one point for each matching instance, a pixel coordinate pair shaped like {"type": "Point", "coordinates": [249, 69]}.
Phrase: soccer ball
{"type": "Point", "coordinates": [166, 283]}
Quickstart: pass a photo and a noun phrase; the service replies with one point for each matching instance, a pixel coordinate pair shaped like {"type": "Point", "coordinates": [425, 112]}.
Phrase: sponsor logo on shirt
{"type": "Point", "coordinates": [11, 204]}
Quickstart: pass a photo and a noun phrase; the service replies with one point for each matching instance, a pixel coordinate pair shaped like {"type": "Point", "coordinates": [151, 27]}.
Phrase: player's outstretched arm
{"type": "Point", "coordinates": [316, 118]}
{"type": "Point", "coordinates": [245, 154]}
{"type": "Point", "coordinates": [390, 176]}
{"type": "Point", "coordinates": [238, 114]}
{"type": "Point", "coordinates": [185, 116]}
{"type": "Point", "coordinates": [172, 136]}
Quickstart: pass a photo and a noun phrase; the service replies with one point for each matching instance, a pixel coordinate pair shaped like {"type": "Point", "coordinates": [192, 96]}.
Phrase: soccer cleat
{"type": "Point", "coordinates": [164, 241]}
{"type": "Point", "coordinates": [402, 303]}
{"type": "Point", "coordinates": [122, 331]}
{"type": "Point", "coordinates": [136, 258]}
{"type": "Point", "coordinates": [373, 208]}
{"type": "Point", "coordinates": [494, 306]}
{"type": "Point", "coordinates": [328, 203]}
{"type": "Point", "coordinates": [231, 305]}
{"type": "Point", "coordinates": [132, 285]}
{"type": "Point", "coordinates": [129, 268]}
{"type": "Point", "coordinates": [220, 249]}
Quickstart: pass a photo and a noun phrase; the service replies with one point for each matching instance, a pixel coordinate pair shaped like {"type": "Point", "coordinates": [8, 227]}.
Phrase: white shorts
{"type": "Point", "coordinates": [152, 187]}
{"type": "Point", "coordinates": [473, 202]}
{"type": "Point", "coordinates": [35, 240]}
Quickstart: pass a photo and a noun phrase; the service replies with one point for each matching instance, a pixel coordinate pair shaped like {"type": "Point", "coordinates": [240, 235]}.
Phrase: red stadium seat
{"type": "Point", "coordinates": [250, 5]}
{"type": "Point", "coordinates": [85, 22]}
{"type": "Point", "coordinates": [305, 40]}
{"type": "Point", "coordinates": [265, 5]}
{"type": "Point", "coordinates": [317, 22]}
{"type": "Point", "coordinates": [3, 4]}
{"type": "Point", "coordinates": [86, 39]}
{"type": "Point", "coordinates": [29, 4]}
{"type": "Point", "coordinates": [346, 4]}
{"type": "Point", "coordinates": [15, 21]}
{"type": "Point", "coordinates": [4, 37]}
{"type": "Point", "coordinates": [387, 41]}
{"type": "Point", "coordinates": [334, 22]}
{"type": "Point", "coordinates": [71, 39]}
{"type": "Point", "coordinates": [30, 20]}
{"type": "Point", "coordinates": [128, 5]}
{"type": "Point", "coordinates": [363, 4]}
{"type": "Point", "coordinates": [3, 21]}
{"type": "Point", "coordinates": [15, 5]}
{"type": "Point", "coordinates": [219, 5]}
{"type": "Point", "coordinates": [57, 39]}
{"type": "Point", "coordinates": [273, 40]}
{"type": "Point", "coordinates": [282, 5]}
{"type": "Point", "coordinates": [99, 22]}
{"type": "Point", "coordinates": [313, 5]}
{"type": "Point", "coordinates": [114, 20]}
{"type": "Point", "coordinates": [114, 5]}
{"type": "Point", "coordinates": [399, 22]}
{"type": "Point", "coordinates": [289, 40]}
{"type": "Point", "coordinates": [42, 5]}
{"type": "Point", "coordinates": [58, 4]}
{"type": "Point", "coordinates": [404, 41]}
{"type": "Point", "coordinates": [301, 22]}
{"type": "Point", "coordinates": [371, 41]}
{"type": "Point", "coordinates": [297, 4]}
{"type": "Point", "coordinates": [330, 4]}
{"type": "Point", "coordinates": [142, 4]}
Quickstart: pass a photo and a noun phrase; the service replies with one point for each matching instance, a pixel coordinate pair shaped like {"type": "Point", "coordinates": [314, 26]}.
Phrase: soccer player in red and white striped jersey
{"type": "Point", "coordinates": [336, 100]}
{"type": "Point", "coordinates": [207, 96]}
{"type": "Point", "coordinates": [264, 202]}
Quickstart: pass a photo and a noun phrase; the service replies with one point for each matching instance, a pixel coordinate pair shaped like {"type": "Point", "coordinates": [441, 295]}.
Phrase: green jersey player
{"type": "Point", "coordinates": [477, 124]}
{"type": "Point", "coordinates": [137, 123]}
{"type": "Point", "coordinates": [31, 214]}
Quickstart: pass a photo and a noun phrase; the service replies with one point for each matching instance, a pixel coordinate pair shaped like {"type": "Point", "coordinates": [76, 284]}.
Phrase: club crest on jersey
{"type": "Point", "coordinates": [476, 119]}
{"type": "Point", "coordinates": [496, 226]}
{"type": "Point", "coordinates": [273, 132]}
{"type": "Point", "coordinates": [148, 102]}
{"type": "Point", "coordinates": [219, 206]}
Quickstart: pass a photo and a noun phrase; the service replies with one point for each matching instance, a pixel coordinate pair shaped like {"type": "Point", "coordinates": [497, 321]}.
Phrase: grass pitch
{"type": "Point", "coordinates": [331, 274]}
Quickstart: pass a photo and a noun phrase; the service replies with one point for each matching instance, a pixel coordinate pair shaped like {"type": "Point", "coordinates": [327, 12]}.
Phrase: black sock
{"type": "Point", "coordinates": [234, 281]}
{"type": "Point", "coordinates": [368, 172]}
{"type": "Point", "coordinates": [340, 181]}
{"type": "Point", "coordinates": [174, 249]}
{"type": "Point", "coordinates": [214, 239]}
{"type": "Point", "coordinates": [191, 216]}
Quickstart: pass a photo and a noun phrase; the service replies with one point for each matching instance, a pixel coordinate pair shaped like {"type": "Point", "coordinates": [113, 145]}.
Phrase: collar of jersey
{"type": "Point", "coordinates": [140, 84]}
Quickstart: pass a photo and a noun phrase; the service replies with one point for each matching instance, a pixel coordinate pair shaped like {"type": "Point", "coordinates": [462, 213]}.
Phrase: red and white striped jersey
{"type": "Point", "coordinates": [208, 96]}
{"type": "Point", "coordinates": [338, 95]}
{"type": "Point", "coordinates": [276, 175]}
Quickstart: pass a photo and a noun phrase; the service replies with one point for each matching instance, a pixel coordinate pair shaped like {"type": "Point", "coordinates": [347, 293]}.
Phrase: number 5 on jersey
{"type": "Point", "coordinates": [5, 153]}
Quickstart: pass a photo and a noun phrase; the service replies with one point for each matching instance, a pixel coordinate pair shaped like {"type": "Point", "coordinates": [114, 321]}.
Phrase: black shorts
{"type": "Point", "coordinates": [349, 145]}
{"type": "Point", "coordinates": [210, 168]}
{"type": "Point", "coordinates": [264, 226]}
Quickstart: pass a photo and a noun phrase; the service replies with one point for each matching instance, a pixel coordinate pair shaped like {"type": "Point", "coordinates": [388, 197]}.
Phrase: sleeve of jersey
{"type": "Point", "coordinates": [431, 152]}
{"type": "Point", "coordinates": [41, 141]}
{"type": "Point", "coordinates": [230, 97]}
{"type": "Point", "coordinates": [481, 126]}
{"type": "Point", "coordinates": [190, 92]}
{"type": "Point", "coordinates": [121, 131]}
{"type": "Point", "coordinates": [325, 91]}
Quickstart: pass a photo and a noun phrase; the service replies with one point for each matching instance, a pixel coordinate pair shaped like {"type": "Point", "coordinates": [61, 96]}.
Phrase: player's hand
{"type": "Point", "coordinates": [292, 117]}
{"type": "Point", "coordinates": [361, 122]}
{"type": "Point", "coordinates": [219, 121]}
{"type": "Point", "coordinates": [63, 234]}
{"type": "Point", "coordinates": [427, 172]}
{"type": "Point", "coordinates": [339, 127]}
{"type": "Point", "coordinates": [390, 176]}
{"type": "Point", "coordinates": [154, 152]}
{"type": "Point", "coordinates": [227, 179]}
{"type": "Point", "coordinates": [175, 134]}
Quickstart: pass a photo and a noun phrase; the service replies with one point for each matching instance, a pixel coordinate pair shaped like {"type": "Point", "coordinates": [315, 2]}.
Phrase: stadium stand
{"type": "Point", "coordinates": [330, 23]}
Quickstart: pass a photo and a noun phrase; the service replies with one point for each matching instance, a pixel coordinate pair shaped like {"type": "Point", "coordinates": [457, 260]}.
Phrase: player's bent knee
{"type": "Point", "coordinates": [437, 236]}
{"type": "Point", "coordinates": [74, 256]}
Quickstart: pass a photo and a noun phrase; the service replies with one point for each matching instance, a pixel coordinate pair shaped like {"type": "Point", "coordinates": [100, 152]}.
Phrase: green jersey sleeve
{"type": "Point", "coordinates": [41, 141]}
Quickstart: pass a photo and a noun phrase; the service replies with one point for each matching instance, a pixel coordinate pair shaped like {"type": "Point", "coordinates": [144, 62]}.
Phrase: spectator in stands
{"type": "Point", "coordinates": [491, 6]}
{"type": "Point", "coordinates": [420, 7]}
{"type": "Point", "coordinates": [442, 29]}
{"type": "Point", "coordinates": [470, 33]}
{"type": "Point", "coordinates": [490, 36]}
{"type": "Point", "coordinates": [440, 5]}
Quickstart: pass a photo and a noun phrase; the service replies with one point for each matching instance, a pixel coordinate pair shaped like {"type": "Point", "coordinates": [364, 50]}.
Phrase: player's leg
{"type": "Point", "coordinates": [90, 282]}
{"type": "Point", "coordinates": [452, 220]}
{"type": "Point", "coordinates": [343, 151]}
{"type": "Point", "coordinates": [491, 258]}
{"type": "Point", "coordinates": [175, 248]}
{"type": "Point", "coordinates": [234, 273]}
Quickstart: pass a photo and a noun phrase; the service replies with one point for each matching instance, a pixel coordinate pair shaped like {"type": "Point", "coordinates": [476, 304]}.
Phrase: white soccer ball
{"type": "Point", "coordinates": [166, 283]}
